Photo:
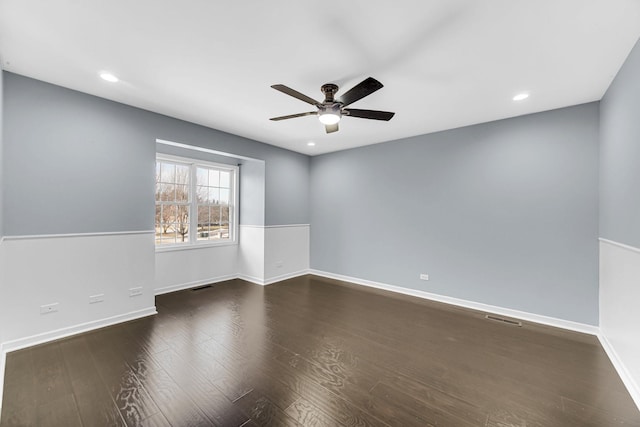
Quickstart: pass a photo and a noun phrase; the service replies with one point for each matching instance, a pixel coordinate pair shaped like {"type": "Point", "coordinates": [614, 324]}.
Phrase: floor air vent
{"type": "Point", "coordinates": [199, 288]}
{"type": "Point", "coordinates": [503, 320]}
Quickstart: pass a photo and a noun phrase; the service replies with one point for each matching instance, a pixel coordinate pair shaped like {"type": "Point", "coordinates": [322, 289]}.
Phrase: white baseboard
{"type": "Point", "coordinates": [529, 317]}
{"type": "Point", "coordinates": [194, 284]}
{"type": "Point", "coordinates": [282, 277]}
{"type": "Point", "coordinates": [625, 376]}
{"type": "Point", "coordinates": [252, 279]}
{"type": "Point", "coordinates": [20, 343]}
{"type": "Point", "coordinates": [247, 278]}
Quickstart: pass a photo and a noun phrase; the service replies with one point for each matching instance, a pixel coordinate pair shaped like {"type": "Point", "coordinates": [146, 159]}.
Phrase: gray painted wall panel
{"type": "Point", "coordinates": [78, 163]}
{"type": "Point", "coordinates": [1, 157]}
{"type": "Point", "coordinates": [252, 192]}
{"type": "Point", "coordinates": [620, 155]}
{"type": "Point", "coordinates": [503, 213]}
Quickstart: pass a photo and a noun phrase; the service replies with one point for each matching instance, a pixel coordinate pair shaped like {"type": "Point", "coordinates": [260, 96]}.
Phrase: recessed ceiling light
{"type": "Point", "coordinates": [109, 77]}
{"type": "Point", "coordinates": [521, 96]}
{"type": "Point", "coordinates": [311, 144]}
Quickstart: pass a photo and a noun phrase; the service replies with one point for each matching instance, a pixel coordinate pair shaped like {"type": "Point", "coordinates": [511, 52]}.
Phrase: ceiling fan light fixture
{"type": "Point", "coordinates": [329, 118]}
{"type": "Point", "coordinates": [330, 114]}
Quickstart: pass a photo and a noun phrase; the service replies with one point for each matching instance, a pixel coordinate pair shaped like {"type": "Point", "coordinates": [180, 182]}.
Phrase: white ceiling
{"type": "Point", "coordinates": [444, 63]}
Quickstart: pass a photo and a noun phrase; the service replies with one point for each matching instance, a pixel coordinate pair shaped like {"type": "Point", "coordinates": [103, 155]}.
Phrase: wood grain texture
{"type": "Point", "coordinates": [315, 352]}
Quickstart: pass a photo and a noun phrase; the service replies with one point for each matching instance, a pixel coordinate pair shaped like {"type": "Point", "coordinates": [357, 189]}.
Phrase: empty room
{"type": "Point", "coordinates": [285, 213]}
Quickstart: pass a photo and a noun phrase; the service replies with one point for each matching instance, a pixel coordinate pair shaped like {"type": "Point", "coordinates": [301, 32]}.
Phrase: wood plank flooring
{"type": "Point", "coordinates": [315, 352]}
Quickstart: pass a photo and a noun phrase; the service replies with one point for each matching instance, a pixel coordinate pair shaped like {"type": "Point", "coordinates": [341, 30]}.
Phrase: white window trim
{"type": "Point", "coordinates": [194, 243]}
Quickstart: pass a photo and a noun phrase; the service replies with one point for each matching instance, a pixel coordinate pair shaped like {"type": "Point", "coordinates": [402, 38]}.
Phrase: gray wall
{"type": "Point", "coordinates": [503, 213]}
{"type": "Point", "coordinates": [1, 156]}
{"type": "Point", "coordinates": [78, 163]}
{"type": "Point", "coordinates": [620, 155]}
{"type": "Point", "coordinates": [252, 191]}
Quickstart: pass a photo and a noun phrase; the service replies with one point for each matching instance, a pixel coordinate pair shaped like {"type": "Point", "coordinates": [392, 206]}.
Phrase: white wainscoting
{"type": "Point", "coordinates": [67, 269]}
{"type": "Point", "coordinates": [184, 269]}
{"type": "Point", "coordinates": [286, 252]}
{"type": "Point", "coordinates": [620, 311]}
{"type": "Point", "coordinates": [268, 254]}
{"type": "Point", "coordinates": [251, 253]}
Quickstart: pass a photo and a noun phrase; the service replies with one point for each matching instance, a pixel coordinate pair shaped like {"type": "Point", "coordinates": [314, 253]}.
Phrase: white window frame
{"type": "Point", "coordinates": [193, 242]}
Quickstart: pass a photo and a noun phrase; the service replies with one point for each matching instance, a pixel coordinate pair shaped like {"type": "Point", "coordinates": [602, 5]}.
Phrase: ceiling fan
{"type": "Point", "coordinates": [331, 109]}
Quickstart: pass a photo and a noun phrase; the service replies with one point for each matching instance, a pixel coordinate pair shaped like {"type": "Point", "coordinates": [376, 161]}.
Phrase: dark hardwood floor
{"type": "Point", "coordinates": [315, 352]}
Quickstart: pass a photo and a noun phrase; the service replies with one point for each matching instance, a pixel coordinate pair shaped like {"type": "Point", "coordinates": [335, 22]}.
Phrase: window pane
{"type": "Point", "coordinates": [215, 216]}
{"type": "Point", "coordinates": [168, 214]}
{"type": "Point", "coordinates": [202, 194]}
{"type": "Point", "coordinates": [214, 178]}
{"type": "Point", "coordinates": [168, 193]}
{"type": "Point", "coordinates": [182, 174]}
{"type": "Point", "coordinates": [202, 176]}
{"type": "Point", "coordinates": [214, 195]}
{"type": "Point", "coordinates": [167, 172]}
{"type": "Point", "coordinates": [225, 179]}
{"type": "Point", "coordinates": [182, 227]}
{"type": "Point", "coordinates": [178, 198]}
{"type": "Point", "coordinates": [224, 196]}
{"type": "Point", "coordinates": [203, 216]}
{"type": "Point", "coordinates": [182, 193]}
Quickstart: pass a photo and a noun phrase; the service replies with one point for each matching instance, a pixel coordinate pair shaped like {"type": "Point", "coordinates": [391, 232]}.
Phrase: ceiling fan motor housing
{"type": "Point", "coordinates": [329, 90]}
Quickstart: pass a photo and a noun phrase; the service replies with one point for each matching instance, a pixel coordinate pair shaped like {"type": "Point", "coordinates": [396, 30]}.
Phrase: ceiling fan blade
{"type": "Point", "coordinates": [295, 94]}
{"type": "Point", "coordinates": [359, 91]}
{"type": "Point", "coordinates": [369, 114]}
{"type": "Point", "coordinates": [331, 128]}
{"type": "Point", "coordinates": [293, 116]}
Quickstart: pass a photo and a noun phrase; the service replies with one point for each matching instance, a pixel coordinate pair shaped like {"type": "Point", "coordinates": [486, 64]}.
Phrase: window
{"type": "Point", "coordinates": [195, 202]}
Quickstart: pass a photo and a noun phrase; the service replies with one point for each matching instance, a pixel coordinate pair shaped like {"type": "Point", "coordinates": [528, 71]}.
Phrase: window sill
{"type": "Point", "coordinates": [189, 247]}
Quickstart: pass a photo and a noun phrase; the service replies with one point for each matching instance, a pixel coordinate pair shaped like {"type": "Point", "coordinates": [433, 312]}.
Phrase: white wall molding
{"type": "Point", "coordinates": [76, 329]}
{"type": "Point", "coordinates": [529, 317]}
{"type": "Point", "coordinates": [205, 265]}
{"type": "Point", "coordinates": [194, 284]}
{"type": "Point", "coordinates": [286, 251]}
{"type": "Point", "coordinates": [69, 270]}
{"type": "Point", "coordinates": [287, 225]}
{"type": "Point", "coordinates": [619, 314]}
{"type": "Point", "coordinates": [252, 279]}
{"type": "Point", "coordinates": [59, 236]}
{"type": "Point", "coordinates": [251, 253]}
{"type": "Point", "coordinates": [632, 386]}
{"type": "Point", "coordinates": [274, 226]}
{"type": "Point", "coordinates": [620, 245]}
{"type": "Point", "coordinates": [287, 276]}
{"type": "Point", "coordinates": [205, 150]}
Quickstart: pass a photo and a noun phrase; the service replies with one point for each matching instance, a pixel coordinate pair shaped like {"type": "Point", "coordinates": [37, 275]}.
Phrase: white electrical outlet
{"type": "Point", "coordinates": [134, 292]}
{"type": "Point", "coordinates": [96, 298]}
{"type": "Point", "coordinates": [424, 276]}
{"type": "Point", "coordinates": [48, 308]}
{"type": "Point", "coordinates": [279, 264]}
